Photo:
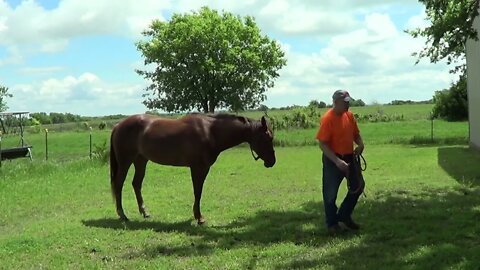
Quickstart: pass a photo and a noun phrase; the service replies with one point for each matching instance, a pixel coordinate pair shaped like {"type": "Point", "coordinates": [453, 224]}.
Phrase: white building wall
{"type": "Point", "coordinates": [473, 86]}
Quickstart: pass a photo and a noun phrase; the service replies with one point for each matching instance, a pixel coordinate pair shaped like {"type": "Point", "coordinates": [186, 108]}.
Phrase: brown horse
{"type": "Point", "coordinates": [193, 141]}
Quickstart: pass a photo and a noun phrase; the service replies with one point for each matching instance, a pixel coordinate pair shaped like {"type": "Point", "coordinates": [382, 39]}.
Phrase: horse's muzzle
{"type": "Point", "coordinates": [269, 164]}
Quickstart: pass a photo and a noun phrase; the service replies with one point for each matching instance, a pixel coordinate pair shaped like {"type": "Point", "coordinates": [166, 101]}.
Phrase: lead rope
{"type": "Point", "coordinates": [359, 168]}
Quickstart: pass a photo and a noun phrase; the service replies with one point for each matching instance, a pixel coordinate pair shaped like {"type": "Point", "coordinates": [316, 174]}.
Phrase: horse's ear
{"type": "Point", "coordinates": [264, 122]}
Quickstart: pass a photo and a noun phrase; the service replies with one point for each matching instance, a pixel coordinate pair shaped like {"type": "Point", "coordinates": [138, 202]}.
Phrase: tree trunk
{"type": "Point", "coordinates": [205, 106]}
{"type": "Point", "coordinates": [211, 106]}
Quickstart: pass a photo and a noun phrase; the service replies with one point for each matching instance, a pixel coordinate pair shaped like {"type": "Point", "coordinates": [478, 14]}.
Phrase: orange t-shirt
{"type": "Point", "coordinates": [338, 131]}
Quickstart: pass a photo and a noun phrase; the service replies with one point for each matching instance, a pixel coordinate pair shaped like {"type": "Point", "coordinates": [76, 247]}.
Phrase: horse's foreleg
{"type": "Point", "coordinates": [140, 165]}
{"type": "Point", "coordinates": [199, 173]}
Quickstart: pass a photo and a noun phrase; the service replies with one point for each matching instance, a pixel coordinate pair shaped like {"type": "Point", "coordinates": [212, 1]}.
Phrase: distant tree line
{"type": "Point", "coordinates": [61, 118]}
{"type": "Point", "coordinates": [354, 103]}
{"type": "Point", "coordinates": [312, 104]}
{"type": "Point", "coordinates": [410, 102]}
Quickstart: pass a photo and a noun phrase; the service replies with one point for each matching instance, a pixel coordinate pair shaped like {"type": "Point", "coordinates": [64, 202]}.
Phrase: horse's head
{"type": "Point", "coordinates": [262, 143]}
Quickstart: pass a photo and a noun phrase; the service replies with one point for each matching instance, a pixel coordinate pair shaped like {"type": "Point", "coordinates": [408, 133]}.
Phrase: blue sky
{"type": "Point", "coordinates": [79, 56]}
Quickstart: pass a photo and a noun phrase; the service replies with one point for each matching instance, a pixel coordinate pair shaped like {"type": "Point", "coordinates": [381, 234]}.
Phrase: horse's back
{"type": "Point", "coordinates": [129, 128]}
{"type": "Point", "coordinates": [162, 140]}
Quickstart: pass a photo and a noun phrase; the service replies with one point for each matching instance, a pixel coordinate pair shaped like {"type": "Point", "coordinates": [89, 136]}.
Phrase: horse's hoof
{"type": "Point", "coordinates": [201, 221]}
{"type": "Point", "coordinates": [146, 215]}
{"type": "Point", "coordinates": [124, 219]}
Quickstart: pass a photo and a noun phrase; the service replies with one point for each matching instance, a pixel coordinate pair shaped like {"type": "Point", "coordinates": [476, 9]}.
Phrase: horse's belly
{"type": "Point", "coordinates": [172, 161]}
{"type": "Point", "coordinates": [169, 154]}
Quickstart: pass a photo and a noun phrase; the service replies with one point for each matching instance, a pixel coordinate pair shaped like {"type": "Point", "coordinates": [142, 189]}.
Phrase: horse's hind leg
{"type": "Point", "coordinates": [121, 174]}
{"type": "Point", "coordinates": [140, 166]}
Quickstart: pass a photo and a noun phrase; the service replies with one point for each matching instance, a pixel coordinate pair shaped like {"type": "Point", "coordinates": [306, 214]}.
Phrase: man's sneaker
{"type": "Point", "coordinates": [334, 229]}
{"type": "Point", "coordinates": [349, 223]}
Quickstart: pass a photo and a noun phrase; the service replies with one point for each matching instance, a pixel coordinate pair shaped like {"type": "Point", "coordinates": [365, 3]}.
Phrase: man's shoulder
{"type": "Point", "coordinates": [328, 113]}
{"type": "Point", "coordinates": [327, 116]}
{"type": "Point", "coordinates": [350, 116]}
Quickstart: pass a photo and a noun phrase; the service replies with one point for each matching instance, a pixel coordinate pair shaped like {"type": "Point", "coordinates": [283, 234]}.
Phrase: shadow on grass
{"type": "Point", "coordinates": [196, 248]}
{"type": "Point", "coordinates": [432, 229]}
{"type": "Point", "coordinates": [461, 163]}
{"type": "Point", "coordinates": [116, 224]}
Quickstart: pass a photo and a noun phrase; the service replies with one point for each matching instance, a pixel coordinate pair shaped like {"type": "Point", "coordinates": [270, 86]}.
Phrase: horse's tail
{"type": "Point", "coordinates": [113, 166]}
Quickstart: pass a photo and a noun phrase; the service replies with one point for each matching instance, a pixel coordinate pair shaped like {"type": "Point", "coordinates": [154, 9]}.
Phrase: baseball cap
{"type": "Point", "coordinates": [341, 94]}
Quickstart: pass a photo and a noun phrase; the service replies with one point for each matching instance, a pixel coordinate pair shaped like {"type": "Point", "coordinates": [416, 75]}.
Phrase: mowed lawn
{"type": "Point", "coordinates": [421, 211]}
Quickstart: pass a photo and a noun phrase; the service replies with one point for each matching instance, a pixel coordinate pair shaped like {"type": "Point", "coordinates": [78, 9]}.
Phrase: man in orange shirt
{"type": "Point", "coordinates": [338, 131]}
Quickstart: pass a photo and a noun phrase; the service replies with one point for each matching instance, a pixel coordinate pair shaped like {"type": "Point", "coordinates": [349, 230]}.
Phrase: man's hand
{"type": "Point", "coordinates": [343, 166]}
{"type": "Point", "coordinates": [359, 150]}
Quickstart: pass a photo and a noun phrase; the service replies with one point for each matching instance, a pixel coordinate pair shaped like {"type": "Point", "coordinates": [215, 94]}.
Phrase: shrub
{"type": "Point", "coordinates": [101, 152]}
{"type": "Point", "coordinates": [102, 125]}
{"type": "Point", "coordinates": [302, 118]}
{"type": "Point", "coordinates": [452, 104]}
{"type": "Point", "coordinates": [36, 126]}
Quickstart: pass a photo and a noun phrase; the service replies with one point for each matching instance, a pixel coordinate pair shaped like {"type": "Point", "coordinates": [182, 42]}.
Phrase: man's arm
{"type": "Point", "coordinates": [360, 146]}
{"type": "Point", "coordinates": [341, 164]}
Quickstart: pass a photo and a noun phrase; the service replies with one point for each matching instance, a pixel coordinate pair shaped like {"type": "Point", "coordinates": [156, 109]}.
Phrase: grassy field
{"type": "Point", "coordinates": [68, 145]}
{"type": "Point", "coordinates": [421, 211]}
{"type": "Point", "coordinates": [410, 112]}
{"type": "Point", "coordinates": [421, 208]}
{"type": "Point", "coordinates": [65, 146]}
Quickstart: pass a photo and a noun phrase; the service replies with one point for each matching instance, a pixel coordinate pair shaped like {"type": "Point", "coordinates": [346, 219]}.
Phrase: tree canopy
{"type": "Point", "coordinates": [206, 60]}
{"type": "Point", "coordinates": [451, 26]}
{"type": "Point", "coordinates": [3, 95]}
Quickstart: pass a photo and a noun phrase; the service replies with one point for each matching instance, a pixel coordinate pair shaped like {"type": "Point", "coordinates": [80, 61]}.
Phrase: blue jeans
{"type": "Point", "coordinates": [332, 177]}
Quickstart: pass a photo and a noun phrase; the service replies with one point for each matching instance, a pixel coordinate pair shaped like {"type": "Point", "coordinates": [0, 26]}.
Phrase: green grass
{"type": "Point", "coordinates": [421, 211]}
{"type": "Point", "coordinates": [417, 132]}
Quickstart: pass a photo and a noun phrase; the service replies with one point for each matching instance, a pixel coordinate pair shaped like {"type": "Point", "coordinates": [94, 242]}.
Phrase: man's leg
{"type": "Point", "coordinates": [351, 199]}
{"type": "Point", "coordinates": [332, 177]}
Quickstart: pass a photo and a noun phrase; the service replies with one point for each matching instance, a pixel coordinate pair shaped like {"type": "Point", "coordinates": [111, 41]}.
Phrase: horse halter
{"type": "Point", "coordinates": [253, 155]}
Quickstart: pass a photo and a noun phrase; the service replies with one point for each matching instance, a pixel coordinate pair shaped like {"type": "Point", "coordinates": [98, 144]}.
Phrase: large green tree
{"type": "Point", "coordinates": [451, 25]}
{"type": "Point", "coordinates": [207, 60]}
{"type": "Point", "coordinates": [3, 95]}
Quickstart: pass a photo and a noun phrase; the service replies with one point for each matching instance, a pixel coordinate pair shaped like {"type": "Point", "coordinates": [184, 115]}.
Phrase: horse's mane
{"type": "Point", "coordinates": [227, 116]}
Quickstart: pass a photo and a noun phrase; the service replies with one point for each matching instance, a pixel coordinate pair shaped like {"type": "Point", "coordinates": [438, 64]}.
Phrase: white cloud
{"type": "Point", "coordinates": [13, 56]}
{"type": "Point", "coordinates": [40, 70]}
{"type": "Point", "coordinates": [3, 25]}
{"type": "Point", "coordinates": [284, 17]}
{"type": "Point", "coordinates": [55, 45]}
{"type": "Point", "coordinates": [329, 45]}
{"type": "Point", "coordinates": [374, 62]}
{"type": "Point", "coordinates": [86, 94]}
{"type": "Point", "coordinates": [53, 29]}
{"type": "Point", "coordinates": [418, 21]}
{"type": "Point", "coordinates": [292, 18]}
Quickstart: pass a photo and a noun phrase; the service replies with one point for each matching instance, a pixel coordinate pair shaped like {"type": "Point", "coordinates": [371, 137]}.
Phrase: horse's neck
{"type": "Point", "coordinates": [232, 134]}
